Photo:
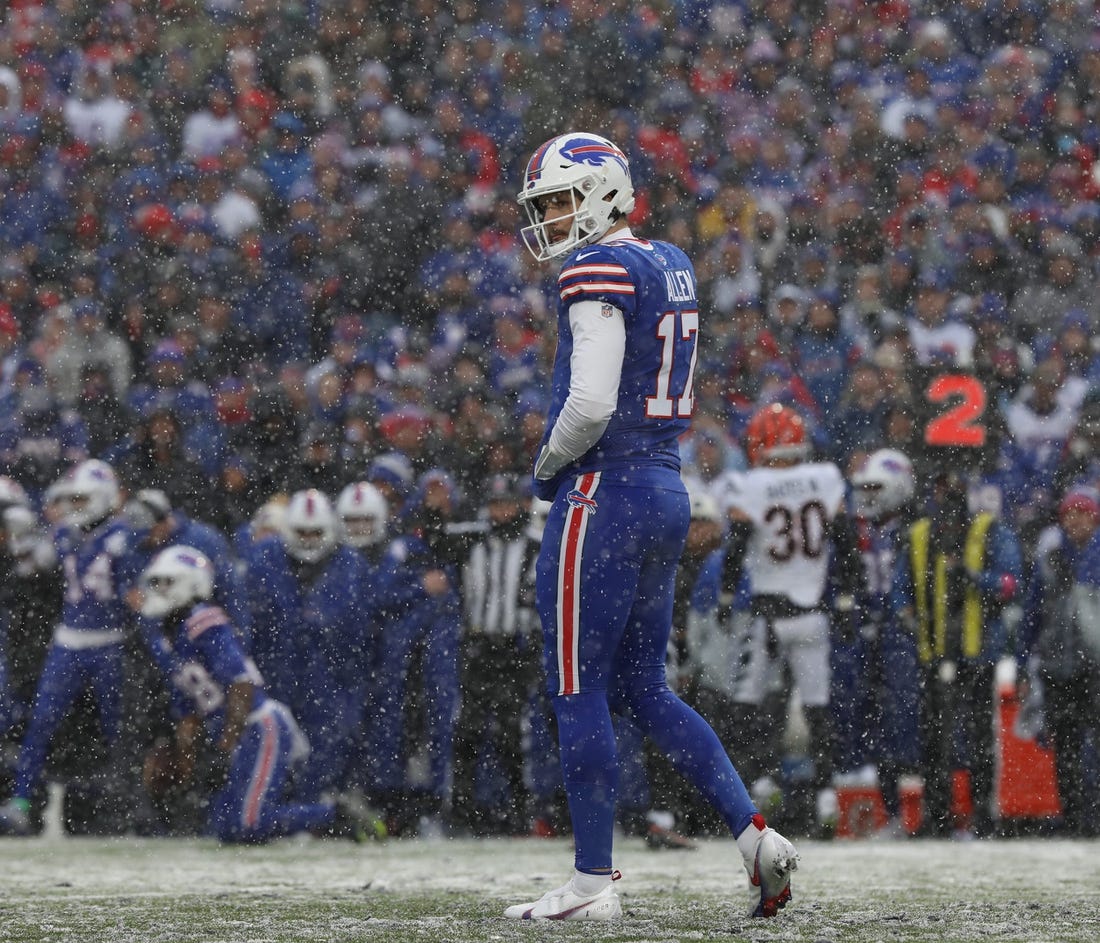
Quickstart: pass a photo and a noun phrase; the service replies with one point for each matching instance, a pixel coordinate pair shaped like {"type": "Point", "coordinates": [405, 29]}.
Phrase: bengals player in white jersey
{"type": "Point", "coordinates": [789, 535]}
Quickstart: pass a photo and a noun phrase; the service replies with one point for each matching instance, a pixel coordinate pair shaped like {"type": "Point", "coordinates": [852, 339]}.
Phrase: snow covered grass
{"type": "Point", "coordinates": [90, 890]}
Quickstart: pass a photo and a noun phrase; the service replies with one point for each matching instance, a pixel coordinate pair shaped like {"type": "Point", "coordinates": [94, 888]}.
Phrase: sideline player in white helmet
{"type": "Point", "coordinates": [96, 551]}
{"type": "Point", "coordinates": [363, 513]}
{"type": "Point", "coordinates": [876, 687]}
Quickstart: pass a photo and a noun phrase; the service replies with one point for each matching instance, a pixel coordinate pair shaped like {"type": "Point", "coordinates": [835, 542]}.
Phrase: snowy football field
{"type": "Point", "coordinates": [118, 890]}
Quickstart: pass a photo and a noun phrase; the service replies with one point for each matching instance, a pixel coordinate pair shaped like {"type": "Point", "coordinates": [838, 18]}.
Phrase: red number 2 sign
{"type": "Point", "coordinates": [960, 424]}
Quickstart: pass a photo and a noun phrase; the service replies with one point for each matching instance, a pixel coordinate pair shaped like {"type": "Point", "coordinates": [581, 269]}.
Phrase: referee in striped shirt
{"type": "Point", "coordinates": [500, 657]}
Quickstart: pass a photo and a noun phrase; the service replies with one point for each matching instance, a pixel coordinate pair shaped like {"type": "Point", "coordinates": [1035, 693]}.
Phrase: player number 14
{"type": "Point", "coordinates": [664, 403]}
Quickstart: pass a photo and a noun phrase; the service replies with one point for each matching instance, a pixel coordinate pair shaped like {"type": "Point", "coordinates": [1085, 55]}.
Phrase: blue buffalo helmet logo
{"type": "Point", "coordinates": [580, 150]}
{"type": "Point", "coordinates": [579, 499]}
{"type": "Point", "coordinates": [591, 151]}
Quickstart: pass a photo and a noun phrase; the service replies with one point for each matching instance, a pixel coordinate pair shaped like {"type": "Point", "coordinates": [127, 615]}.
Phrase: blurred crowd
{"type": "Point", "coordinates": [266, 236]}
{"type": "Point", "coordinates": [249, 247]}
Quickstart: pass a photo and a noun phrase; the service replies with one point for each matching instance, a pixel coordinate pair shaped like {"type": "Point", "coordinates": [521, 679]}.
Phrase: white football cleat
{"type": "Point", "coordinates": [565, 903]}
{"type": "Point", "coordinates": [769, 860]}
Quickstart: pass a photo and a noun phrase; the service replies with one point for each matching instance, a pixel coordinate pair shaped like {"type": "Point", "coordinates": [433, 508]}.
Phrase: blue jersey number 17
{"type": "Point", "coordinates": [666, 403]}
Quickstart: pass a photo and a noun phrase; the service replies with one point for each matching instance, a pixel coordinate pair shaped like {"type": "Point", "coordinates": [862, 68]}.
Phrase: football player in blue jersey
{"type": "Point", "coordinates": [417, 600]}
{"type": "Point", "coordinates": [364, 517]}
{"type": "Point", "coordinates": [312, 634]}
{"type": "Point", "coordinates": [94, 547]}
{"type": "Point", "coordinates": [156, 525]}
{"type": "Point", "coordinates": [219, 694]}
{"type": "Point", "coordinates": [621, 395]}
{"type": "Point", "coordinates": [876, 675]}
{"type": "Point", "coordinates": [364, 528]}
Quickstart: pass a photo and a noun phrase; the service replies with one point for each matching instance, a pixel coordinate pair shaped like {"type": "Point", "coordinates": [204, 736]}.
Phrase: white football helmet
{"type": "Point", "coordinates": [363, 512]}
{"type": "Point", "coordinates": [178, 576]}
{"type": "Point", "coordinates": [12, 494]}
{"type": "Point", "coordinates": [88, 493]}
{"type": "Point", "coordinates": [883, 484]}
{"type": "Point", "coordinates": [310, 526]}
{"type": "Point", "coordinates": [147, 508]}
{"type": "Point", "coordinates": [30, 549]}
{"type": "Point", "coordinates": [270, 517]}
{"type": "Point", "coordinates": [596, 175]}
{"type": "Point", "coordinates": [20, 523]}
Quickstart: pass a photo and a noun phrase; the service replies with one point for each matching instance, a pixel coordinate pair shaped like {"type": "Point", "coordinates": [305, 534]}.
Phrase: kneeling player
{"type": "Point", "coordinates": [217, 692]}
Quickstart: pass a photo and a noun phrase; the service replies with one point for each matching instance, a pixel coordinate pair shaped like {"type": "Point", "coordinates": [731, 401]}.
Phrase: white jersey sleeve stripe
{"type": "Point", "coordinates": [620, 288]}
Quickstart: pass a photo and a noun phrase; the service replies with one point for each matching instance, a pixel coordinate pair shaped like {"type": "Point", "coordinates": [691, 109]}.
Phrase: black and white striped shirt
{"type": "Point", "coordinates": [498, 585]}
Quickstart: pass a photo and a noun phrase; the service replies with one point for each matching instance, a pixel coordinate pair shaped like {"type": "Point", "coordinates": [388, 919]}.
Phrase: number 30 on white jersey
{"type": "Point", "coordinates": [790, 509]}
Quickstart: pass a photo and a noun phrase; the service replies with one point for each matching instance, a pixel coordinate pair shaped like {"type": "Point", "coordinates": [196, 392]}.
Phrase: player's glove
{"type": "Point", "coordinates": [548, 467]}
{"type": "Point", "coordinates": [545, 490]}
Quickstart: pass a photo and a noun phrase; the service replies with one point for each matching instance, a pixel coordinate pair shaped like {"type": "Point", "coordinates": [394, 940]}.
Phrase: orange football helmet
{"type": "Point", "coordinates": [776, 431]}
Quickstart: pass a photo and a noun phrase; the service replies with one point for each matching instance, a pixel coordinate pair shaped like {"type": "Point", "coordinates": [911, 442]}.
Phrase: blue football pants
{"type": "Point", "coordinates": [604, 590]}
